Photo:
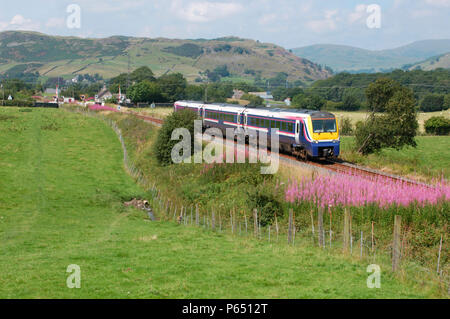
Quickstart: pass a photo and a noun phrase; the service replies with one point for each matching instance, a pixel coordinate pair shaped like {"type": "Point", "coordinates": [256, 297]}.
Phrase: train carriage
{"type": "Point", "coordinates": [303, 133]}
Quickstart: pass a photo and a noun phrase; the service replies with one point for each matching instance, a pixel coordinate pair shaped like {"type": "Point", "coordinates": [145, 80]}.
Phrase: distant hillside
{"type": "Point", "coordinates": [440, 61]}
{"type": "Point", "coordinates": [67, 56]}
{"type": "Point", "coordinates": [352, 59]}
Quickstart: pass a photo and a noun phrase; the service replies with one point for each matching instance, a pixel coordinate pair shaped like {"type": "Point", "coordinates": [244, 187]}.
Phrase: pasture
{"type": "Point", "coordinates": [62, 188]}
{"type": "Point", "coordinates": [429, 160]}
{"type": "Point", "coordinates": [362, 115]}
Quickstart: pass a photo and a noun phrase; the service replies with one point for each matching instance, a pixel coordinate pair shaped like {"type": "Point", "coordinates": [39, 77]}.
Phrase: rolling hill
{"type": "Point", "coordinates": [433, 63]}
{"type": "Point", "coordinates": [352, 59]}
{"type": "Point", "coordinates": [67, 56]}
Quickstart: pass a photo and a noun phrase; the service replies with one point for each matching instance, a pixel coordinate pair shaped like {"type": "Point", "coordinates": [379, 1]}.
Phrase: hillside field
{"type": "Point", "coordinates": [63, 185]}
{"type": "Point", "coordinates": [54, 56]}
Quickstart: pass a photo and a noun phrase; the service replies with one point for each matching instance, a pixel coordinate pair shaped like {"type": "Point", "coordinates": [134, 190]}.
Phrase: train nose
{"type": "Point", "coordinates": [327, 152]}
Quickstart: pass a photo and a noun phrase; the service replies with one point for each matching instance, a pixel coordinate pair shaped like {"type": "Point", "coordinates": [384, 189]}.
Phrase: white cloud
{"type": "Point", "coordinates": [439, 3]}
{"type": "Point", "coordinates": [358, 14]}
{"type": "Point", "coordinates": [101, 6]}
{"type": "Point", "coordinates": [205, 11]}
{"type": "Point", "coordinates": [327, 24]}
{"type": "Point", "coordinates": [55, 23]}
{"type": "Point", "coordinates": [19, 22]}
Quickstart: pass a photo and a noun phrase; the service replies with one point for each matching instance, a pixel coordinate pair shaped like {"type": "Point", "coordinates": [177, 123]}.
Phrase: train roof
{"type": "Point", "coordinates": [264, 110]}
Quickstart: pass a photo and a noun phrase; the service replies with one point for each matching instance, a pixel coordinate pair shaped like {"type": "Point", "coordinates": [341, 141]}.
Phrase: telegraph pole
{"type": "Point", "coordinates": [3, 91]}
{"type": "Point", "coordinates": [128, 74]}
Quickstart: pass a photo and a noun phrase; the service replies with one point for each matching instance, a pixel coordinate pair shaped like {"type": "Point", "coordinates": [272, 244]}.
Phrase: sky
{"type": "Point", "coordinates": [289, 23]}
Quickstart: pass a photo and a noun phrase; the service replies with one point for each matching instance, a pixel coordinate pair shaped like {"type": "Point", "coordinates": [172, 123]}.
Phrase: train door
{"type": "Point", "coordinates": [239, 122]}
{"type": "Point", "coordinates": [245, 122]}
{"type": "Point", "coordinates": [297, 132]}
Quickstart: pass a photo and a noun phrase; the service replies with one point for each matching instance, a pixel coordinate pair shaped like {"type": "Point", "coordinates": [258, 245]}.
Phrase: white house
{"type": "Point", "coordinates": [103, 95]}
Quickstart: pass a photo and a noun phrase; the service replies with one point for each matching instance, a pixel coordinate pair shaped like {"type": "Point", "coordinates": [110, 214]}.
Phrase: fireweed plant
{"type": "Point", "coordinates": [352, 190]}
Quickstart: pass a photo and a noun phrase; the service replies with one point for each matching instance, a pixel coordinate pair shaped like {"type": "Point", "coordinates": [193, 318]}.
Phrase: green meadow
{"type": "Point", "coordinates": [62, 188]}
{"type": "Point", "coordinates": [430, 159]}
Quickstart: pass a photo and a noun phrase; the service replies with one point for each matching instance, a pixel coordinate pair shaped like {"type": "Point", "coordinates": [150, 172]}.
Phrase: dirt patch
{"type": "Point", "coordinates": [141, 204]}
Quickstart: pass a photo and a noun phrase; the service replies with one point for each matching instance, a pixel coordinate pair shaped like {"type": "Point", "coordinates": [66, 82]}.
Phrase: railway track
{"type": "Point", "coordinates": [336, 166]}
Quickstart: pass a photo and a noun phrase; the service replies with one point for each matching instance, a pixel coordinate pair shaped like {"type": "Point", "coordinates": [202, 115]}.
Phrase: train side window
{"type": "Point", "coordinates": [290, 127]}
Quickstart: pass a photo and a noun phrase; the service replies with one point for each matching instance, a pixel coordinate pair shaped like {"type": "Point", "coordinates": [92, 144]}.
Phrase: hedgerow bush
{"type": "Point", "coordinates": [164, 145]}
{"type": "Point", "coordinates": [437, 125]}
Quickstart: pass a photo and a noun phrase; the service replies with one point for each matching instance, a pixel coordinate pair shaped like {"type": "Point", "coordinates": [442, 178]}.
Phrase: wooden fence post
{"type": "Point", "coordinates": [246, 226]}
{"type": "Point", "coordinates": [346, 230]}
{"type": "Point", "coordinates": [312, 224]}
{"type": "Point", "coordinates": [396, 244]}
{"type": "Point", "coordinates": [197, 215]}
{"type": "Point", "coordinates": [331, 222]}
{"type": "Point", "coordinates": [372, 241]}
{"type": "Point", "coordinates": [276, 225]}
{"type": "Point", "coordinates": [255, 223]}
{"type": "Point", "coordinates": [351, 236]}
{"type": "Point", "coordinates": [291, 213]}
{"type": "Point", "coordinates": [320, 230]}
{"type": "Point", "coordinates": [213, 221]}
{"type": "Point", "coordinates": [361, 244]}
{"type": "Point", "coordinates": [439, 256]}
{"type": "Point", "coordinates": [231, 222]}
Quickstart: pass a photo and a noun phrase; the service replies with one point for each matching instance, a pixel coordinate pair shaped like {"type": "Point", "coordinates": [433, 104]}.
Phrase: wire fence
{"type": "Point", "coordinates": [338, 237]}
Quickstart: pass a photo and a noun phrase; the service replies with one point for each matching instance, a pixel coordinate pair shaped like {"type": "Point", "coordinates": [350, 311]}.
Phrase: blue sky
{"type": "Point", "coordinates": [290, 23]}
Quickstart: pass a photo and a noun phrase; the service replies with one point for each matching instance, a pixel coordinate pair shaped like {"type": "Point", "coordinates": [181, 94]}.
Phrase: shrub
{"type": "Point", "coordinates": [111, 100]}
{"type": "Point", "coordinates": [189, 50]}
{"type": "Point", "coordinates": [21, 103]}
{"type": "Point", "coordinates": [432, 103]}
{"type": "Point", "coordinates": [349, 103]}
{"type": "Point", "coordinates": [267, 204]}
{"type": "Point", "coordinates": [253, 99]}
{"type": "Point", "coordinates": [345, 126]}
{"type": "Point", "coordinates": [146, 92]}
{"type": "Point", "coordinates": [164, 145]}
{"type": "Point", "coordinates": [395, 128]}
{"type": "Point", "coordinates": [311, 102]}
{"type": "Point", "coordinates": [437, 125]}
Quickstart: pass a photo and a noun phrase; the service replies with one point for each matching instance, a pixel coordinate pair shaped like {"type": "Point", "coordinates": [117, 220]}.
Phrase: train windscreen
{"type": "Point", "coordinates": [324, 125]}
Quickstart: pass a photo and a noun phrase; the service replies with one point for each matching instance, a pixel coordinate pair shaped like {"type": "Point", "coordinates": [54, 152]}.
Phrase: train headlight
{"type": "Point", "coordinates": [335, 141]}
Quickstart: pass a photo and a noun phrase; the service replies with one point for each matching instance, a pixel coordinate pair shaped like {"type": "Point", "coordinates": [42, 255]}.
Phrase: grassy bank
{"type": "Point", "coordinates": [63, 185]}
{"type": "Point", "coordinates": [429, 160]}
{"type": "Point", "coordinates": [239, 188]}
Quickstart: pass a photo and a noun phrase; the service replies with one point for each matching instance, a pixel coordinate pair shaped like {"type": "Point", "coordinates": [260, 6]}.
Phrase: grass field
{"type": "Point", "coordinates": [429, 160]}
{"type": "Point", "coordinates": [62, 187]}
{"type": "Point", "coordinates": [362, 115]}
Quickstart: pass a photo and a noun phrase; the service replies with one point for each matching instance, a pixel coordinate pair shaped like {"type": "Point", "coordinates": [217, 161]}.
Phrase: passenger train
{"type": "Point", "coordinates": [302, 133]}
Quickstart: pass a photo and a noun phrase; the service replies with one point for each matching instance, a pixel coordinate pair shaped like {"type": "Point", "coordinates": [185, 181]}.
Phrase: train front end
{"type": "Point", "coordinates": [325, 135]}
